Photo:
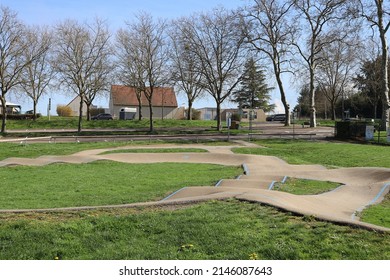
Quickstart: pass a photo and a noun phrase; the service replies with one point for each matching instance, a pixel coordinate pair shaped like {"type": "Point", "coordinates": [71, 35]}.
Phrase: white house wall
{"type": "Point", "coordinates": [158, 112]}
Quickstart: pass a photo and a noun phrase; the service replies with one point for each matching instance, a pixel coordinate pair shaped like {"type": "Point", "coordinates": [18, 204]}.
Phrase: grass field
{"type": "Point", "coordinates": [330, 154]}
{"type": "Point", "coordinates": [8, 150]}
{"type": "Point", "coordinates": [207, 231]}
{"type": "Point", "coordinates": [102, 183]}
{"type": "Point", "coordinates": [305, 186]}
{"type": "Point", "coordinates": [72, 123]}
{"type": "Point", "coordinates": [378, 214]}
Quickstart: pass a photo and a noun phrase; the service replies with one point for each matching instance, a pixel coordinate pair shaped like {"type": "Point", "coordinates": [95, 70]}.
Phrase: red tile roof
{"type": "Point", "coordinates": [126, 96]}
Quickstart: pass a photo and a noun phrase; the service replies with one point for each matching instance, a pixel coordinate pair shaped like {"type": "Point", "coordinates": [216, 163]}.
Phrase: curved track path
{"type": "Point", "coordinates": [361, 186]}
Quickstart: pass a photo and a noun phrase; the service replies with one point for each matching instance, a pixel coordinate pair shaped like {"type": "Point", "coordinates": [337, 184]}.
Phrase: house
{"type": "Point", "coordinates": [75, 106]}
{"type": "Point", "coordinates": [164, 103]}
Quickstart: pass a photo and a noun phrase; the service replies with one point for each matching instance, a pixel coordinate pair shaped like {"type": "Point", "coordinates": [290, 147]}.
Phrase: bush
{"type": "Point", "coordinates": [64, 111]}
{"type": "Point", "coordinates": [195, 114]}
{"type": "Point", "coordinates": [20, 116]}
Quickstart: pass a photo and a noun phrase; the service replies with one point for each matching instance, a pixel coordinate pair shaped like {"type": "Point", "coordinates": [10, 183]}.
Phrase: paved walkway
{"type": "Point", "coordinates": [361, 186]}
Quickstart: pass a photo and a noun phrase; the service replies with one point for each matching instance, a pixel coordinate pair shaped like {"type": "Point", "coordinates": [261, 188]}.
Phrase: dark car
{"type": "Point", "coordinates": [102, 116]}
{"type": "Point", "coordinates": [276, 118]}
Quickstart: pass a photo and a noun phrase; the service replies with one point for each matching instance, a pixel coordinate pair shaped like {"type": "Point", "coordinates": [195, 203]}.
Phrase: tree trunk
{"type": "Point", "coordinates": [385, 86]}
{"type": "Point", "coordinates": [386, 115]}
{"type": "Point", "coordinates": [277, 72]}
{"type": "Point", "coordinates": [3, 115]}
{"type": "Point", "coordinates": [384, 68]}
{"type": "Point", "coordinates": [139, 106]}
{"type": "Point", "coordinates": [286, 106]}
{"type": "Point", "coordinates": [313, 117]}
{"type": "Point", "coordinates": [88, 112]}
{"type": "Point", "coordinates": [80, 113]}
{"type": "Point", "coordinates": [151, 128]}
{"type": "Point", "coordinates": [189, 114]}
{"type": "Point", "coordinates": [139, 111]}
{"type": "Point", "coordinates": [333, 111]}
{"type": "Point", "coordinates": [34, 110]}
{"type": "Point", "coordinates": [219, 121]}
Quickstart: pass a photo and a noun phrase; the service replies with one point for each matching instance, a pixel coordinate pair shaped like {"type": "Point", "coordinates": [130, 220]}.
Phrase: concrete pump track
{"type": "Point", "coordinates": [360, 187]}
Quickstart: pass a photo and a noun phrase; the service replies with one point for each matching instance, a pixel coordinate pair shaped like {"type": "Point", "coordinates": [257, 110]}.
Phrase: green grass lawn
{"type": "Point", "coordinates": [305, 187]}
{"type": "Point", "coordinates": [72, 123]}
{"type": "Point", "coordinates": [330, 154]}
{"type": "Point", "coordinates": [216, 230]}
{"type": "Point", "coordinates": [102, 183]}
{"type": "Point", "coordinates": [381, 138]}
{"type": "Point", "coordinates": [8, 150]}
{"type": "Point", "coordinates": [378, 214]}
{"type": "Point", "coordinates": [320, 122]}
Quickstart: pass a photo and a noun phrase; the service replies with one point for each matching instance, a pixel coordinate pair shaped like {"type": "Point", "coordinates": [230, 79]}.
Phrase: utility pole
{"type": "Point", "coordinates": [49, 108]}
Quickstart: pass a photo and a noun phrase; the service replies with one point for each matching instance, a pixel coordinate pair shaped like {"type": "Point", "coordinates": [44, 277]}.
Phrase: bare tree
{"type": "Point", "coordinates": [377, 13]}
{"type": "Point", "coordinates": [38, 74]}
{"type": "Point", "coordinates": [82, 57]}
{"type": "Point", "coordinates": [269, 31]}
{"type": "Point", "coordinates": [99, 82]}
{"type": "Point", "coordinates": [147, 56]}
{"type": "Point", "coordinates": [217, 42]}
{"type": "Point", "coordinates": [130, 69]}
{"type": "Point", "coordinates": [339, 61]}
{"type": "Point", "coordinates": [184, 66]}
{"type": "Point", "coordinates": [12, 61]}
{"type": "Point", "coordinates": [319, 19]}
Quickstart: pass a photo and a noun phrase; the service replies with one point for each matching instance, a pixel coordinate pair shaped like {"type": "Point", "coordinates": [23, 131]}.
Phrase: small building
{"type": "Point", "coordinates": [210, 113]}
{"type": "Point", "coordinates": [164, 103]}
{"type": "Point", "coordinates": [258, 115]}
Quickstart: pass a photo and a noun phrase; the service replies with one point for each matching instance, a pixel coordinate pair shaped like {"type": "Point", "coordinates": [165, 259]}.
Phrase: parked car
{"type": "Point", "coordinates": [102, 116]}
{"type": "Point", "coordinates": [276, 118]}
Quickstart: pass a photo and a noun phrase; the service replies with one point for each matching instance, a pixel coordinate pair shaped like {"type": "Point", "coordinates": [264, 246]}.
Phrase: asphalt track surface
{"type": "Point", "coordinates": [360, 187]}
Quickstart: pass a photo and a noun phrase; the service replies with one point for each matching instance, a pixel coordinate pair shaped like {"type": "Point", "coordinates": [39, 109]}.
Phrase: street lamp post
{"type": "Point", "coordinates": [293, 121]}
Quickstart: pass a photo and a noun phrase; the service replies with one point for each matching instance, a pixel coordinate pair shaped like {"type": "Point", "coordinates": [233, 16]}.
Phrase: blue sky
{"type": "Point", "coordinates": [116, 12]}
